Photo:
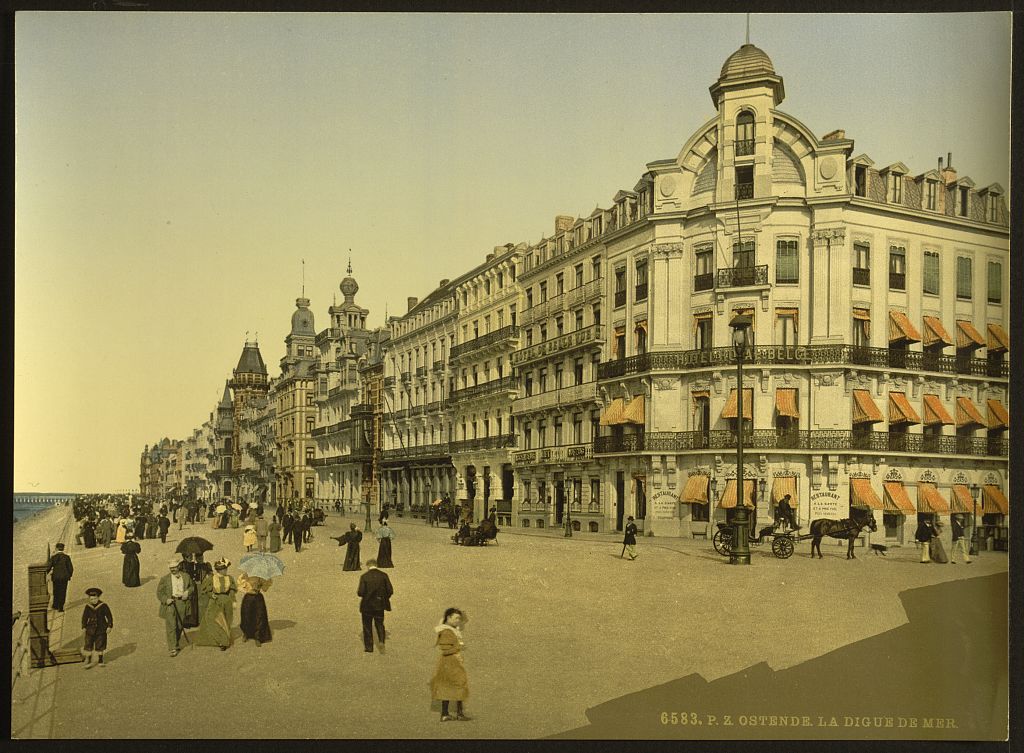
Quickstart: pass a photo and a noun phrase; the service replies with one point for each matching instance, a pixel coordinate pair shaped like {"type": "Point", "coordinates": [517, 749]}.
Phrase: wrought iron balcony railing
{"type": "Point", "coordinates": [483, 443]}
{"type": "Point", "coordinates": [772, 439]}
{"type": "Point", "coordinates": [439, 449]}
{"type": "Point", "coordinates": [704, 281]}
{"type": "Point", "coordinates": [740, 277]}
{"type": "Point", "coordinates": [744, 190]}
{"type": "Point", "coordinates": [483, 341]}
{"type": "Point", "coordinates": [744, 147]}
{"type": "Point", "coordinates": [861, 276]}
{"type": "Point", "coordinates": [507, 383]}
{"type": "Point", "coordinates": [897, 281]}
{"type": "Point", "coordinates": [805, 355]}
{"type": "Point", "coordinates": [564, 343]}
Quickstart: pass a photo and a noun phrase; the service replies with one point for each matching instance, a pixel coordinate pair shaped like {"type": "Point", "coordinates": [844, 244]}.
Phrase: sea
{"type": "Point", "coordinates": [28, 504]}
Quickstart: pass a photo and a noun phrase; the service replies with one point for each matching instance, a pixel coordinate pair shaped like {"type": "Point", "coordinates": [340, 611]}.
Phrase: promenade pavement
{"type": "Point", "coordinates": [556, 626]}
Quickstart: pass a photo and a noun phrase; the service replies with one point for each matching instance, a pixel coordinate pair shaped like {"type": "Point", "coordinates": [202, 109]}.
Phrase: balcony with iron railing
{"type": "Point", "coordinates": [813, 440]}
{"type": "Point", "coordinates": [496, 442]}
{"type": "Point", "coordinates": [897, 281]}
{"type": "Point", "coordinates": [439, 449]}
{"type": "Point", "coordinates": [585, 337]}
{"type": "Point", "coordinates": [421, 372]}
{"type": "Point", "coordinates": [437, 406]}
{"type": "Point", "coordinates": [705, 281]}
{"type": "Point", "coordinates": [504, 384]}
{"type": "Point", "coordinates": [491, 338]}
{"type": "Point", "coordinates": [641, 292]}
{"type": "Point", "coordinates": [804, 355]}
{"type": "Point", "coordinates": [741, 277]}
{"type": "Point", "coordinates": [361, 409]}
{"type": "Point", "coordinates": [861, 276]}
{"type": "Point", "coordinates": [438, 367]}
{"type": "Point", "coordinates": [744, 148]}
{"type": "Point", "coordinates": [389, 381]}
{"type": "Point", "coordinates": [744, 190]}
{"type": "Point", "coordinates": [575, 393]}
{"type": "Point", "coordinates": [561, 454]}
{"type": "Point", "coordinates": [406, 376]}
{"type": "Point", "coordinates": [620, 298]}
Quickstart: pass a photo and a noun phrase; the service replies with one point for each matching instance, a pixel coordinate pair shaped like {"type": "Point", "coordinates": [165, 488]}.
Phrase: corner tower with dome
{"type": "Point", "coordinates": [342, 454]}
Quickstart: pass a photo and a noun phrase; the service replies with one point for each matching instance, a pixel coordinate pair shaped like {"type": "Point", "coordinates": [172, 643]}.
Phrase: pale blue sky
{"type": "Point", "coordinates": [173, 169]}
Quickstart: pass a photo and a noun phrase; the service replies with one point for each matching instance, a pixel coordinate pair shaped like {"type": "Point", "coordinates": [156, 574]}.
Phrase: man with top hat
{"type": "Point", "coordinates": [60, 569]}
{"type": "Point", "coordinates": [629, 540]}
{"type": "Point", "coordinates": [174, 592]}
{"type": "Point", "coordinates": [96, 621]}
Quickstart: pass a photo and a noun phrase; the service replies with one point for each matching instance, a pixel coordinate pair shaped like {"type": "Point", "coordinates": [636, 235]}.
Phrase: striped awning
{"type": "Point", "coordinates": [634, 412]}
{"type": "Point", "coordinates": [967, 413]}
{"type": "Point", "coordinates": [698, 396]}
{"type": "Point", "coordinates": [862, 494]}
{"type": "Point", "coordinates": [864, 409]}
{"type": "Point", "coordinates": [896, 499]}
{"type": "Point", "coordinates": [998, 340]}
{"type": "Point", "coordinates": [935, 412]}
{"type": "Point", "coordinates": [993, 500]}
{"type": "Point", "coordinates": [783, 485]}
{"type": "Point", "coordinates": [998, 417]}
{"type": "Point", "coordinates": [785, 402]}
{"type": "Point", "coordinates": [901, 329]}
{"type": "Point", "coordinates": [863, 315]}
{"type": "Point", "coordinates": [929, 499]}
{"type": "Point", "coordinates": [729, 411]}
{"type": "Point", "coordinates": [967, 336]}
{"type": "Point", "coordinates": [695, 491]}
{"type": "Point", "coordinates": [961, 499]}
{"type": "Point", "coordinates": [935, 333]}
{"type": "Point", "coordinates": [795, 313]}
{"type": "Point", "coordinates": [901, 411]}
{"type": "Point", "coordinates": [729, 497]}
{"type": "Point", "coordinates": [613, 413]}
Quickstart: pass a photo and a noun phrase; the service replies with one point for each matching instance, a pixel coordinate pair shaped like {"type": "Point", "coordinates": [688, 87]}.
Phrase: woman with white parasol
{"type": "Point", "coordinates": [258, 570]}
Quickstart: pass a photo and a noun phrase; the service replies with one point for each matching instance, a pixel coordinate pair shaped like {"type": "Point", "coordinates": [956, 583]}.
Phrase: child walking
{"type": "Point", "coordinates": [96, 621]}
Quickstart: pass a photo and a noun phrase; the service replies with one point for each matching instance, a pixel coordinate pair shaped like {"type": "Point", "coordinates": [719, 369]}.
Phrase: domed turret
{"type": "Point", "coordinates": [302, 318]}
{"type": "Point", "coordinates": [748, 66]}
{"type": "Point", "coordinates": [349, 286]}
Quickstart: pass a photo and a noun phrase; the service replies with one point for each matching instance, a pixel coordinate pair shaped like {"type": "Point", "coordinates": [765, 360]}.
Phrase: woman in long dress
{"type": "Point", "coordinates": [130, 567]}
{"type": "Point", "coordinates": [122, 531]}
{"type": "Point", "coordinates": [450, 681]}
{"type": "Point", "coordinates": [352, 538]}
{"type": "Point", "coordinates": [253, 619]}
{"type": "Point", "coordinates": [215, 625]}
{"type": "Point", "coordinates": [89, 533]}
{"type": "Point", "coordinates": [384, 535]}
{"type": "Point", "coordinates": [274, 530]}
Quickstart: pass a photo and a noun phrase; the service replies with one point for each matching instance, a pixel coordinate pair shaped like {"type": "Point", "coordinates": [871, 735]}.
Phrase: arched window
{"type": "Point", "coordinates": [744, 133]}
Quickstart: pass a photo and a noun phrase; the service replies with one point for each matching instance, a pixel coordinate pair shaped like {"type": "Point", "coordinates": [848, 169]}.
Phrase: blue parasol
{"type": "Point", "coordinates": [261, 565]}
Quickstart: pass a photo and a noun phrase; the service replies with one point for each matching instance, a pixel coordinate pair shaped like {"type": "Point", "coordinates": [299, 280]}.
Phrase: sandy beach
{"type": "Point", "coordinates": [31, 536]}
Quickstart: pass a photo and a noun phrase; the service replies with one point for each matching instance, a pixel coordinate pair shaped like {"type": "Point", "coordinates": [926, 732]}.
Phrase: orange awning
{"type": "Point", "coordinates": [967, 414]}
{"type": "Point", "coordinates": [783, 485]}
{"type": "Point", "coordinates": [862, 494]}
{"type": "Point", "coordinates": [695, 491]}
{"type": "Point", "coordinates": [994, 501]}
{"type": "Point", "coordinates": [864, 409]}
{"type": "Point", "coordinates": [896, 499]}
{"type": "Point", "coordinates": [748, 400]}
{"type": "Point", "coordinates": [961, 498]}
{"type": "Point", "coordinates": [998, 417]}
{"type": "Point", "coordinates": [785, 402]}
{"type": "Point", "coordinates": [900, 328]}
{"type": "Point", "coordinates": [967, 336]}
{"type": "Point", "coordinates": [935, 412]}
{"type": "Point", "coordinates": [634, 412]}
{"type": "Point", "coordinates": [935, 333]}
{"type": "Point", "coordinates": [998, 340]}
{"type": "Point", "coordinates": [901, 411]}
{"type": "Point", "coordinates": [929, 499]}
{"type": "Point", "coordinates": [729, 497]}
{"type": "Point", "coordinates": [613, 414]}
{"type": "Point", "coordinates": [863, 315]}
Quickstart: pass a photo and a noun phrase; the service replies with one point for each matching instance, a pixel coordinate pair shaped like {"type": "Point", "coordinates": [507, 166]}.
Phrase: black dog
{"type": "Point", "coordinates": [879, 549]}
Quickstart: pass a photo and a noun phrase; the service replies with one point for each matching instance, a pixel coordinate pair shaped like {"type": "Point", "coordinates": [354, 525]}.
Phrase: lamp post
{"type": "Point", "coordinates": [739, 552]}
{"type": "Point", "coordinates": [974, 524]}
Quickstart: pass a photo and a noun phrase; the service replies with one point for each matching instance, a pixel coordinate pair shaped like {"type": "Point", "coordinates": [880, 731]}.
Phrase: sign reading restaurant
{"type": "Point", "coordinates": [825, 505]}
{"type": "Point", "coordinates": [663, 505]}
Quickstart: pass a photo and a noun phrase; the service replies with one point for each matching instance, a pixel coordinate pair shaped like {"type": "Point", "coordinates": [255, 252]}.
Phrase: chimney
{"type": "Point", "coordinates": [949, 174]}
{"type": "Point", "coordinates": [949, 160]}
{"type": "Point", "coordinates": [412, 303]}
{"type": "Point", "coordinates": [563, 223]}
{"type": "Point", "coordinates": [940, 165]}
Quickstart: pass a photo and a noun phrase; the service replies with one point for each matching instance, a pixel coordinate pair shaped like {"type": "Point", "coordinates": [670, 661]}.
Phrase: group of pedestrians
{"type": "Point", "coordinates": [928, 538]}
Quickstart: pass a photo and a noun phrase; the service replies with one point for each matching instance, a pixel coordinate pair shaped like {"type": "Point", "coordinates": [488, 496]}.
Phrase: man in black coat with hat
{"type": "Point", "coordinates": [375, 593]}
{"type": "Point", "coordinates": [60, 569]}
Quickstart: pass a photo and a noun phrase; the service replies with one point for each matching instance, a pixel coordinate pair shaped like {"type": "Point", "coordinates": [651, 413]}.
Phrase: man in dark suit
{"type": "Point", "coordinates": [60, 569]}
{"type": "Point", "coordinates": [375, 591]}
{"type": "Point", "coordinates": [629, 540]}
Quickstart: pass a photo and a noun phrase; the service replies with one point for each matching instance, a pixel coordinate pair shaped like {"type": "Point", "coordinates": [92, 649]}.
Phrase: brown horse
{"type": "Point", "coordinates": [847, 528]}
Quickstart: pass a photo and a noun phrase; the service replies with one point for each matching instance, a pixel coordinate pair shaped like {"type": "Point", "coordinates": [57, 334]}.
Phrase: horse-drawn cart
{"type": "Point", "coordinates": [477, 535]}
{"type": "Point", "coordinates": [783, 543]}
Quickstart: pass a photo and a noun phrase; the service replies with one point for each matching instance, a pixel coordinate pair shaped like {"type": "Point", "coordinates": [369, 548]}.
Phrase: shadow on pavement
{"type": "Point", "coordinates": [941, 676]}
{"type": "Point", "coordinates": [276, 625]}
{"type": "Point", "coordinates": [119, 652]}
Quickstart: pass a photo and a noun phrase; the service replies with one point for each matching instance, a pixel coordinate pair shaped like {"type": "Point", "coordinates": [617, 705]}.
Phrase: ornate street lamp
{"type": "Point", "coordinates": [739, 552]}
{"type": "Point", "coordinates": [974, 525]}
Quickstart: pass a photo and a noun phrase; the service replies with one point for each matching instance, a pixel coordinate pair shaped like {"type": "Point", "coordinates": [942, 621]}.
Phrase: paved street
{"type": "Point", "coordinates": [556, 627]}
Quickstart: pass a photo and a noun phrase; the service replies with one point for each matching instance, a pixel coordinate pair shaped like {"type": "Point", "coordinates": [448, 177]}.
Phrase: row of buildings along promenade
{"type": "Point", "coordinates": [590, 376]}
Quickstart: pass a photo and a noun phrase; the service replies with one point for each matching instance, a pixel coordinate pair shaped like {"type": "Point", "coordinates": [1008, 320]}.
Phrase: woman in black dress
{"type": "Point", "coordinates": [384, 534]}
{"type": "Point", "coordinates": [130, 569]}
{"type": "Point", "coordinates": [253, 620]}
{"type": "Point", "coordinates": [89, 533]}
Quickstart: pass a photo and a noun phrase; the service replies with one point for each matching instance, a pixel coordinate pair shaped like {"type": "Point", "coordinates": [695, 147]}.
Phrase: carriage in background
{"type": "Point", "coordinates": [477, 535]}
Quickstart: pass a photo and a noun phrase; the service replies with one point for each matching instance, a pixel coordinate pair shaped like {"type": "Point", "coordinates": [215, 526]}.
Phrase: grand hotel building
{"type": "Point", "coordinates": [879, 299]}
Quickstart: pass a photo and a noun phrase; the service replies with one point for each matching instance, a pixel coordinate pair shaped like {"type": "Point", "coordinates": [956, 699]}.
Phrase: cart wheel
{"type": "Point", "coordinates": [782, 547]}
{"type": "Point", "coordinates": [722, 542]}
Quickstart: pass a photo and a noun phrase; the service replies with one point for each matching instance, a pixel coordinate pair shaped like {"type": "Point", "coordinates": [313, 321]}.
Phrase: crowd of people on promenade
{"type": "Point", "coordinates": [197, 598]}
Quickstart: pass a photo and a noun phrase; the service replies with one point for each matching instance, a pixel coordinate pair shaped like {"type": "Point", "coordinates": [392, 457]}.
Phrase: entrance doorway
{"type": "Point", "coordinates": [620, 494]}
{"type": "Point", "coordinates": [559, 501]}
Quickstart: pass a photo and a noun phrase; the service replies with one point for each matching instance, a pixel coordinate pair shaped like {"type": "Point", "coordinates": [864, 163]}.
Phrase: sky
{"type": "Point", "coordinates": [173, 171]}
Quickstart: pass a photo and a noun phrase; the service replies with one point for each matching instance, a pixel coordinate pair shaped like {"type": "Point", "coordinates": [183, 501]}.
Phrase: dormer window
{"type": "Point", "coordinates": [965, 192]}
{"type": "Point", "coordinates": [931, 191]}
{"type": "Point", "coordinates": [860, 180]}
{"type": "Point", "coordinates": [896, 188]}
{"type": "Point", "coordinates": [993, 207]}
{"type": "Point", "coordinates": [744, 133]}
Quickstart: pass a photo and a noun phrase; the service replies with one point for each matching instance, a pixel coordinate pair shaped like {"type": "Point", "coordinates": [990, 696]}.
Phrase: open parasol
{"type": "Point", "coordinates": [193, 545]}
{"type": "Point", "coordinates": [235, 506]}
{"type": "Point", "coordinates": [220, 508]}
{"type": "Point", "coordinates": [261, 565]}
